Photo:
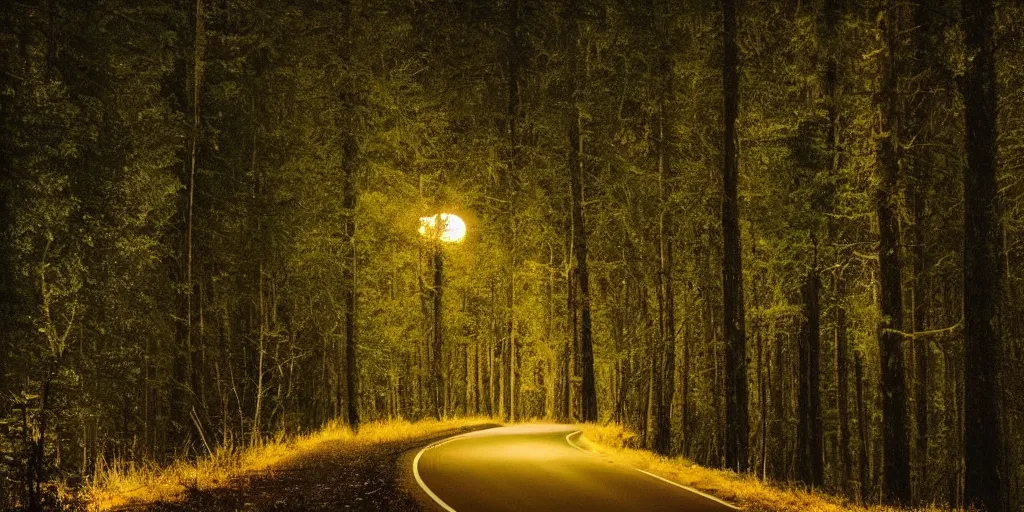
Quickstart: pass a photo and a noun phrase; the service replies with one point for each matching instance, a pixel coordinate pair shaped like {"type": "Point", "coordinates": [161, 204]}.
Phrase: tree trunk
{"type": "Point", "coordinates": [921, 344]}
{"type": "Point", "coordinates": [588, 391]}
{"type": "Point", "coordinates": [833, 14]}
{"type": "Point", "coordinates": [842, 377]}
{"type": "Point", "coordinates": [572, 336]}
{"type": "Point", "coordinates": [809, 429]}
{"type": "Point", "coordinates": [490, 381]}
{"type": "Point", "coordinates": [737, 421]}
{"type": "Point", "coordinates": [183, 396]}
{"type": "Point", "coordinates": [438, 388]}
{"type": "Point", "coordinates": [983, 279]}
{"type": "Point", "coordinates": [478, 384]}
{"type": "Point", "coordinates": [511, 186]}
{"type": "Point", "coordinates": [896, 441]}
{"type": "Point", "coordinates": [862, 428]}
{"type": "Point", "coordinates": [666, 292]}
{"type": "Point", "coordinates": [349, 166]}
{"type": "Point", "coordinates": [685, 419]}
{"type": "Point", "coordinates": [926, 36]}
{"type": "Point", "coordinates": [256, 416]}
{"type": "Point", "coordinates": [778, 404]}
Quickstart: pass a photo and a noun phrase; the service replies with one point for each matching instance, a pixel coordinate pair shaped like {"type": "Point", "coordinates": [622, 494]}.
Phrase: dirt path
{"type": "Point", "coordinates": [333, 476]}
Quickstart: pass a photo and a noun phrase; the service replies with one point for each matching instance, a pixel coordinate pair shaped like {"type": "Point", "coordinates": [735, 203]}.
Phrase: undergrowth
{"type": "Point", "coordinates": [745, 491]}
{"type": "Point", "coordinates": [121, 483]}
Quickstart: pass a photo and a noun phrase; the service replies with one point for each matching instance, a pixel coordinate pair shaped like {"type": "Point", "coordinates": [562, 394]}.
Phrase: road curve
{"type": "Point", "coordinates": [537, 468]}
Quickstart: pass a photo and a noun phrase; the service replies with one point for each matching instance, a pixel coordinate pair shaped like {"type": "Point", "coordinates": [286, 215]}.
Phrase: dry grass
{"type": "Point", "coordinates": [122, 483]}
{"type": "Point", "coordinates": [742, 490]}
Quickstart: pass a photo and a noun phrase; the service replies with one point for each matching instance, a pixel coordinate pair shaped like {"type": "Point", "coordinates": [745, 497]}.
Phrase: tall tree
{"type": "Point", "coordinates": [736, 418]}
{"type": "Point", "coordinates": [664, 143]}
{"type": "Point", "coordinates": [922, 161]}
{"type": "Point", "coordinates": [896, 440]}
{"type": "Point", "coordinates": [833, 14]}
{"type": "Point", "coordinates": [588, 392]}
{"type": "Point", "coordinates": [983, 275]}
{"type": "Point", "coordinates": [510, 185]}
{"type": "Point", "coordinates": [350, 166]}
{"type": "Point", "coordinates": [184, 364]}
{"type": "Point", "coordinates": [809, 428]}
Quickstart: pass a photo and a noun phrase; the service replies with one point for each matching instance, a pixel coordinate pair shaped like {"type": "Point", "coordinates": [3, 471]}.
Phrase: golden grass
{"type": "Point", "coordinates": [745, 491]}
{"type": "Point", "coordinates": [122, 484]}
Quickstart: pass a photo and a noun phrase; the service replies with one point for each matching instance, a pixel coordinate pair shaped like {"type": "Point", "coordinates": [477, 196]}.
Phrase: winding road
{"type": "Point", "coordinates": [539, 468]}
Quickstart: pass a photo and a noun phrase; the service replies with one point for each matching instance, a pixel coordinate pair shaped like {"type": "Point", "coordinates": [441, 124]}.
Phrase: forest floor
{"type": "Point", "coordinates": [746, 491]}
{"type": "Point", "coordinates": [329, 470]}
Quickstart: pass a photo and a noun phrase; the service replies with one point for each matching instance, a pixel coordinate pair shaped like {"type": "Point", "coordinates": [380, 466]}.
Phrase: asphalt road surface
{"type": "Point", "coordinates": [538, 468]}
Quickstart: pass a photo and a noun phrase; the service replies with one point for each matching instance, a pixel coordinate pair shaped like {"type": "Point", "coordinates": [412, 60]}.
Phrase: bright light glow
{"type": "Point", "coordinates": [446, 227]}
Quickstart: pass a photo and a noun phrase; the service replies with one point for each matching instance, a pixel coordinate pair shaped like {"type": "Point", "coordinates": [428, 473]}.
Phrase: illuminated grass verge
{"type": "Point", "coordinates": [745, 491]}
{"type": "Point", "coordinates": [122, 484]}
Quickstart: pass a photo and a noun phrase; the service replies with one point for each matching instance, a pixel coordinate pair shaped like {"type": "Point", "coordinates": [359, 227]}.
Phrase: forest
{"type": "Point", "coordinates": [781, 237]}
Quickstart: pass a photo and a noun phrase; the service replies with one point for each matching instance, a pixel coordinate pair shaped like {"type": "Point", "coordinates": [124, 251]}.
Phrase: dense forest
{"type": "Point", "coordinates": [780, 237]}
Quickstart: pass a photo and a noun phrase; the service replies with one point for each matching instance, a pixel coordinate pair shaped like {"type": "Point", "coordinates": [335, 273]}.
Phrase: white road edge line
{"type": "Point", "coordinates": [691, 489]}
{"type": "Point", "coordinates": [574, 445]}
{"type": "Point", "coordinates": [667, 481]}
{"type": "Point", "coordinates": [419, 479]}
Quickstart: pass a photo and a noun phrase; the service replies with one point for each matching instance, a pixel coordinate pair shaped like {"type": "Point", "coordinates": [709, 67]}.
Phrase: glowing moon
{"type": "Point", "coordinates": [446, 227]}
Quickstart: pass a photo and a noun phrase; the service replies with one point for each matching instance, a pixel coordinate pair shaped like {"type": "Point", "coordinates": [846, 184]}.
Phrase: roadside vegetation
{"type": "Point", "coordinates": [123, 483]}
{"type": "Point", "coordinates": [745, 491]}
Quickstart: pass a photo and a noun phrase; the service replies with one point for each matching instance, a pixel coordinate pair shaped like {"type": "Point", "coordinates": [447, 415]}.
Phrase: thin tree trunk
{"type": "Point", "coordinates": [255, 437]}
{"type": "Point", "coordinates": [511, 185]}
{"type": "Point", "coordinates": [438, 384]}
{"type": "Point", "coordinates": [833, 13]}
{"type": "Point", "coordinates": [778, 404]}
{"type": "Point", "coordinates": [572, 337]}
{"type": "Point", "coordinates": [512, 352]}
{"type": "Point", "coordinates": [862, 427]}
{"type": "Point", "coordinates": [349, 165]}
{"type": "Point", "coordinates": [685, 420]}
{"type": "Point", "coordinates": [184, 367]}
{"type": "Point", "coordinates": [477, 374]}
{"type": "Point", "coordinates": [490, 381]}
{"type": "Point", "coordinates": [921, 344]}
{"type": "Point", "coordinates": [842, 377]}
{"type": "Point", "coordinates": [666, 293]}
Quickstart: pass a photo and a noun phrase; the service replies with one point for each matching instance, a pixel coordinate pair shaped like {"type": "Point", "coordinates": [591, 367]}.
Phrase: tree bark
{"type": "Point", "coordinates": [983, 276]}
{"type": "Point", "coordinates": [588, 391]}
{"type": "Point", "coordinates": [183, 395]}
{"type": "Point", "coordinates": [349, 166]}
{"type": "Point", "coordinates": [511, 187]}
{"type": "Point", "coordinates": [862, 428]}
{"type": "Point", "coordinates": [737, 420]}
{"type": "Point", "coordinates": [666, 293]}
{"type": "Point", "coordinates": [833, 14]}
{"type": "Point", "coordinates": [685, 415]}
{"type": "Point", "coordinates": [926, 35]}
{"type": "Point", "coordinates": [896, 441]}
{"type": "Point", "coordinates": [809, 428]}
{"type": "Point", "coordinates": [842, 378]}
{"type": "Point", "coordinates": [438, 342]}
